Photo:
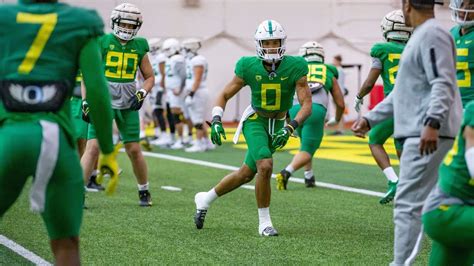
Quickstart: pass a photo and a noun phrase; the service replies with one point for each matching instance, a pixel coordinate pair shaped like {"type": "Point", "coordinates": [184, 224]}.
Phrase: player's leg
{"type": "Point", "coordinates": [90, 156]}
{"type": "Point", "coordinates": [377, 138]}
{"type": "Point", "coordinates": [63, 197]}
{"type": "Point", "coordinates": [418, 175]}
{"type": "Point", "coordinates": [196, 114]}
{"type": "Point", "coordinates": [450, 227]}
{"type": "Point", "coordinates": [129, 128]}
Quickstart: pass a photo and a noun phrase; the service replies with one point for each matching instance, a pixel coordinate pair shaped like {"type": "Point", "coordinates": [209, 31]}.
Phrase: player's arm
{"type": "Point", "coordinates": [369, 82]}
{"type": "Point", "coordinates": [217, 130]}
{"type": "Point", "coordinates": [304, 98]}
{"type": "Point", "coordinates": [468, 135]}
{"type": "Point", "coordinates": [336, 93]}
{"type": "Point", "coordinates": [98, 95]}
{"type": "Point", "coordinates": [147, 72]}
{"type": "Point", "coordinates": [161, 68]}
{"type": "Point", "coordinates": [198, 73]}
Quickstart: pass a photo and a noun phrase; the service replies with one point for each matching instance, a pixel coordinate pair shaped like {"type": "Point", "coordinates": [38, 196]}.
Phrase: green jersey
{"type": "Point", "coordinates": [464, 63]}
{"type": "Point", "coordinates": [121, 61]}
{"type": "Point", "coordinates": [389, 54]}
{"type": "Point", "coordinates": [42, 43]}
{"type": "Point", "coordinates": [454, 176]}
{"type": "Point", "coordinates": [271, 93]}
{"type": "Point", "coordinates": [323, 74]}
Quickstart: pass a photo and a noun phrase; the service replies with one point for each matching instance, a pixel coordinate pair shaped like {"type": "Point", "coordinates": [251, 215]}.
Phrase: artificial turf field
{"type": "Point", "coordinates": [317, 226]}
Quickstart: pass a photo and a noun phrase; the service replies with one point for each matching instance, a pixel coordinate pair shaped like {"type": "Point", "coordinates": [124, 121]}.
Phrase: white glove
{"type": "Point", "coordinates": [358, 103]}
{"type": "Point", "coordinates": [188, 100]}
{"type": "Point", "coordinates": [332, 122]}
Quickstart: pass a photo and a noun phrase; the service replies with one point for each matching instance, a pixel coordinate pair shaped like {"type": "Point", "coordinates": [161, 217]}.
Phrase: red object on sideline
{"type": "Point", "coordinates": [376, 96]}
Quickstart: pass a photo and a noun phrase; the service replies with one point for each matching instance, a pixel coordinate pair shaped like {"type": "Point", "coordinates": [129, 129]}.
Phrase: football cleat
{"type": "Point", "coordinates": [195, 148]}
{"type": "Point", "coordinates": [93, 186]}
{"type": "Point", "coordinates": [145, 143]}
{"type": "Point", "coordinates": [145, 198]}
{"type": "Point", "coordinates": [177, 145]}
{"type": "Point", "coordinates": [269, 231]}
{"type": "Point", "coordinates": [311, 182]}
{"type": "Point", "coordinates": [282, 179]}
{"type": "Point", "coordinates": [199, 218]}
{"type": "Point", "coordinates": [390, 195]}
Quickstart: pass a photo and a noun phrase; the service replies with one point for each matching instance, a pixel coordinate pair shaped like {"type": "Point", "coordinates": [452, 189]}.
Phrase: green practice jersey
{"type": "Point", "coordinates": [322, 73]}
{"type": "Point", "coordinates": [464, 63]}
{"type": "Point", "coordinates": [453, 175]}
{"type": "Point", "coordinates": [271, 93]}
{"type": "Point", "coordinates": [42, 43]}
{"type": "Point", "coordinates": [121, 62]}
{"type": "Point", "coordinates": [389, 54]}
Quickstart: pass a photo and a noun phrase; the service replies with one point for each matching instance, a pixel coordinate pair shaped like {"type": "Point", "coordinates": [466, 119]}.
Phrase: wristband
{"type": "Point", "coordinates": [217, 111]}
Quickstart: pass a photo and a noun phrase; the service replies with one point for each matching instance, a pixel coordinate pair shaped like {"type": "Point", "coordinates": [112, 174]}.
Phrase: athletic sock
{"type": "Point", "coordinates": [290, 169]}
{"type": "Point", "coordinates": [308, 174]}
{"type": "Point", "coordinates": [264, 219]}
{"type": "Point", "coordinates": [390, 174]}
{"type": "Point", "coordinates": [211, 196]}
{"type": "Point", "coordinates": [143, 187]}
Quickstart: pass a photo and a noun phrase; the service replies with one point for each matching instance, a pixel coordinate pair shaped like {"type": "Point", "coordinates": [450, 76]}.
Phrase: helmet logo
{"type": "Point", "coordinates": [258, 77]}
{"type": "Point", "coordinates": [270, 30]}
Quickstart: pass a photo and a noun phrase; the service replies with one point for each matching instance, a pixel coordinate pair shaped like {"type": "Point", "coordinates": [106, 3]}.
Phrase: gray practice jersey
{"type": "Point", "coordinates": [197, 60]}
{"type": "Point", "coordinates": [426, 85]}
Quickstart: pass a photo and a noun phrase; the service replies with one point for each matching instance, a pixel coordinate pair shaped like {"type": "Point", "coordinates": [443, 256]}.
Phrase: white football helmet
{"type": "Point", "coordinates": [191, 46]}
{"type": "Point", "coordinates": [154, 44]}
{"type": "Point", "coordinates": [312, 52]}
{"type": "Point", "coordinates": [460, 10]}
{"type": "Point", "coordinates": [270, 30]}
{"type": "Point", "coordinates": [126, 14]}
{"type": "Point", "coordinates": [394, 28]}
{"type": "Point", "coordinates": [170, 47]}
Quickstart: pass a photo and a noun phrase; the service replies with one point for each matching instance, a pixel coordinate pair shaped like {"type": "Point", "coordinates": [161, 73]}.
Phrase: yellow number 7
{"type": "Point", "coordinates": [48, 22]}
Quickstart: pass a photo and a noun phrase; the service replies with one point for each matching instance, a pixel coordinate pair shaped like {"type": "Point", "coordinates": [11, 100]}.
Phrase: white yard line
{"type": "Point", "coordinates": [171, 188]}
{"type": "Point", "coordinates": [233, 168]}
{"type": "Point", "coordinates": [25, 253]}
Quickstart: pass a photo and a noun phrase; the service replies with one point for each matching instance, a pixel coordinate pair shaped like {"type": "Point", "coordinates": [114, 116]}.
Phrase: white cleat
{"type": "Point", "coordinates": [195, 148]}
{"type": "Point", "coordinates": [269, 231]}
{"type": "Point", "coordinates": [163, 141]}
{"type": "Point", "coordinates": [177, 145]}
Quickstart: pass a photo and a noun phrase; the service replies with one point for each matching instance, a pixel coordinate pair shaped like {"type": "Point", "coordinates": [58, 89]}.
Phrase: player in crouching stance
{"type": "Point", "coordinates": [272, 78]}
{"type": "Point", "coordinates": [322, 80]}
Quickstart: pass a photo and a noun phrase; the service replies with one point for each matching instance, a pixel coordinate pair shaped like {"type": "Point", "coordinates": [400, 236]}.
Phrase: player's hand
{"type": "Point", "coordinates": [108, 166]}
{"type": "Point", "coordinates": [280, 138]}
{"type": "Point", "coordinates": [332, 122]}
{"type": "Point", "coordinates": [189, 98]}
{"type": "Point", "coordinates": [137, 100]}
{"type": "Point", "coordinates": [360, 127]}
{"type": "Point", "coordinates": [85, 111]}
{"type": "Point", "coordinates": [428, 140]}
{"type": "Point", "coordinates": [358, 103]}
{"type": "Point", "coordinates": [217, 130]}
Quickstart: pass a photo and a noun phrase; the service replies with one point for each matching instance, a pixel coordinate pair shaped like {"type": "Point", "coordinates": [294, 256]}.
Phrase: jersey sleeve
{"type": "Point", "coordinates": [160, 58]}
{"type": "Point", "coordinates": [239, 68]}
{"type": "Point", "coordinates": [198, 61]}
{"type": "Point", "coordinates": [145, 46]}
{"type": "Point", "coordinates": [94, 23]}
{"type": "Point", "coordinates": [334, 71]}
{"type": "Point", "coordinates": [469, 115]}
{"type": "Point", "coordinates": [377, 51]}
{"type": "Point", "coordinates": [301, 67]}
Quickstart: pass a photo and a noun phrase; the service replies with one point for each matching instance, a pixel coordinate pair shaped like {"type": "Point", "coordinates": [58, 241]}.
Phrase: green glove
{"type": "Point", "coordinates": [217, 130]}
{"type": "Point", "coordinates": [85, 111]}
{"type": "Point", "coordinates": [280, 138]}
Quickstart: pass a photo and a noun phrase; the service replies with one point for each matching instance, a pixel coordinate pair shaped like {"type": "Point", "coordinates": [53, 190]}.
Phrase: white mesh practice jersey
{"type": "Point", "coordinates": [197, 60]}
{"type": "Point", "coordinates": [156, 60]}
{"type": "Point", "coordinates": [175, 71]}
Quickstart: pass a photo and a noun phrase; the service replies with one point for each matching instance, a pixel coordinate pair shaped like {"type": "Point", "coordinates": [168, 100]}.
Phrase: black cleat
{"type": "Point", "coordinates": [310, 182]}
{"type": "Point", "coordinates": [93, 186]}
{"type": "Point", "coordinates": [269, 231]}
{"type": "Point", "coordinates": [282, 179]}
{"type": "Point", "coordinates": [199, 218]}
{"type": "Point", "coordinates": [145, 198]}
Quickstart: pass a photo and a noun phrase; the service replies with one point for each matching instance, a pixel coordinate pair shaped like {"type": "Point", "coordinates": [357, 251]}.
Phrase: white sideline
{"type": "Point", "coordinates": [22, 251]}
{"type": "Point", "coordinates": [233, 168]}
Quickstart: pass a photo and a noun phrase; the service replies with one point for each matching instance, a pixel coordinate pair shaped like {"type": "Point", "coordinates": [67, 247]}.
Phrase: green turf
{"type": "Point", "coordinates": [316, 226]}
{"type": "Point", "coordinates": [8, 257]}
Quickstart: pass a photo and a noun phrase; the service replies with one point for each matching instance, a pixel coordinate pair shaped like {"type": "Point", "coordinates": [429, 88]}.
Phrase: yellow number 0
{"type": "Point", "coordinates": [393, 70]}
{"type": "Point", "coordinates": [48, 22]}
{"type": "Point", "coordinates": [464, 66]}
{"type": "Point", "coordinates": [277, 89]}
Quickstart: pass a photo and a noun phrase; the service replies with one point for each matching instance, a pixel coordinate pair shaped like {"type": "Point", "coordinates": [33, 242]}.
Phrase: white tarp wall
{"type": "Point", "coordinates": [346, 27]}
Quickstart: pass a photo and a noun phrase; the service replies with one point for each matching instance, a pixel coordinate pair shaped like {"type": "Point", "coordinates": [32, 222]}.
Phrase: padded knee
{"type": "Point", "coordinates": [198, 126]}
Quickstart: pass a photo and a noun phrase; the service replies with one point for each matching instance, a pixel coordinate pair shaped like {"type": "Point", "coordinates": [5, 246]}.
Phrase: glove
{"type": "Point", "coordinates": [332, 122]}
{"type": "Point", "coordinates": [359, 101]}
{"type": "Point", "coordinates": [137, 100]}
{"type": "Point", "coordinates": [108, 166]}
{"type": "Point", "coordinates": [281, 137]}
{"type": "Point", "coordinates": [189, 99]}
{"type": "Point", "coordinates": [85, 111]}
{"type": "Point", "coordinates": [217, 130]}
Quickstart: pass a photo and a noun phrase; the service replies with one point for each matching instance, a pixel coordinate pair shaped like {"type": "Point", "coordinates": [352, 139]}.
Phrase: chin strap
{"type": "Point", "coordinates": [273, 73]}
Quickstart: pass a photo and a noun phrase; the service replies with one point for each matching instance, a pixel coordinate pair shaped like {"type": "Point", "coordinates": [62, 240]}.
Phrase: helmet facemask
{"type": "Point", "coordinates": [460, 12]}
{"type": "Point", "coordinates": [190, 47]}
{"type": "Point", "coordinates": [126, 21]}
{"type": "Point", "coordinates": [312, 52]}
{"type": "Point", "coordinates": [270, 55]}
{"type": "Point", "coordinates": [394, 28]}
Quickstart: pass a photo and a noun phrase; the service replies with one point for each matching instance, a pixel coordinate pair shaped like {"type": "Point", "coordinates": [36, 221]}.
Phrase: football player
{"type": "Point", "coordinates": [273, 78]}
{"type": "Point", "coordinates": [463, 33]}
{"type": "Point", "coordinates": [322, 81]}
{"type": "Point", "coordinates": [123, 54]}
{"type": "Point", "coordinates": [175, 77]}
{"type": "Point", "coordinates": [43, 45]}
{"type": "Point", "coordinates": [385, 59]}
{"type": "Point", "coordinates": [197, 93]}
